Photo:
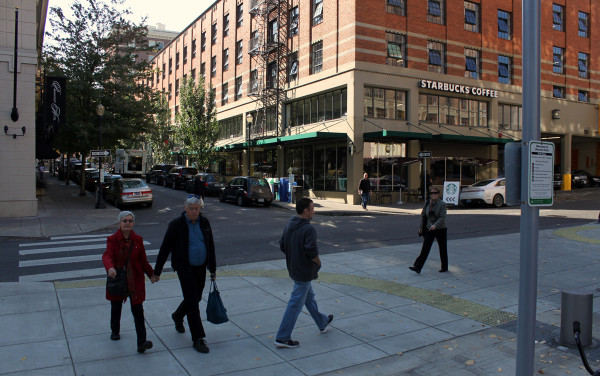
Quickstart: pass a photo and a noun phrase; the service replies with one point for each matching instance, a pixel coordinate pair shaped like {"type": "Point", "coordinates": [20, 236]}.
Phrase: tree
{"type": "Point", "coordinates": [161, 136]}
{"type": "Point", "coordinates": [96, 51]}
{"type": "Point", "coordinates": [197, 128]}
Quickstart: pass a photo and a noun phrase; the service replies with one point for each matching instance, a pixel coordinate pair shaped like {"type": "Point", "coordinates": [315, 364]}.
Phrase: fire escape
{"type": "Point", "coordinates": [268, 58]}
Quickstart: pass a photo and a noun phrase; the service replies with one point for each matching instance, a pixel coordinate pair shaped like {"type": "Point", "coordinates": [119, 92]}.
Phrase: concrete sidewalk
{"type": "Point", "coordinates": [388, 320]}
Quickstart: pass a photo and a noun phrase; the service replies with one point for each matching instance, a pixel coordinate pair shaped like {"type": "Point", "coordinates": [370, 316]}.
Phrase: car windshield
{"type": "Point", "coordinates": [259, 181]}
{"type": "Point", "coordinates": [483, 183]}
{"type": "Point", "coordinates": [134, 184]}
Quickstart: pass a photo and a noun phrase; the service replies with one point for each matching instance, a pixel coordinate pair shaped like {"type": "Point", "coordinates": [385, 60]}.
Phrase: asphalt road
{"type": "Point", "coordinates": [251, 234]}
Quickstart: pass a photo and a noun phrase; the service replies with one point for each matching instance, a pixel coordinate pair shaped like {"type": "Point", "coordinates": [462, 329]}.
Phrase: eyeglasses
{"type": "Point", "coordinates": [434, 193]}
{"type": "Point", "coordinates": [192, 196]}
{"type": "Point", "coordinates": [127, 220]}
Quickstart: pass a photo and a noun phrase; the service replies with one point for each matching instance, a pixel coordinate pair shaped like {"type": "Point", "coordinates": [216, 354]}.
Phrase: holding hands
{"type": "Point", "coordinates": [154, 278]}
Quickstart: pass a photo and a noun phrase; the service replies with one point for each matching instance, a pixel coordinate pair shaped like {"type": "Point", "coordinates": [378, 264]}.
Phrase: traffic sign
{"type": "Point", "coordinates": [100, 153]}
{"type": "Point", "coordinates": [424, 154]}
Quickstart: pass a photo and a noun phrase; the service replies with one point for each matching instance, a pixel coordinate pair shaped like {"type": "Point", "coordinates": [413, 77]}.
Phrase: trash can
{"type": "Point", "coordinates": [298, 192]}
{"type": "Point", "coordinates": [284, 187]}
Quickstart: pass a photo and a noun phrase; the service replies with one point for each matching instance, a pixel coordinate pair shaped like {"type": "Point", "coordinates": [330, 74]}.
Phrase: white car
{"type": "Point", "coordinates": [490, 191]}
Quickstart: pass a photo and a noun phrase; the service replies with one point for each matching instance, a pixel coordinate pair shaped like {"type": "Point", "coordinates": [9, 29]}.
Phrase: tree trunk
{"type": "Point", "coordinates": [82, 176]}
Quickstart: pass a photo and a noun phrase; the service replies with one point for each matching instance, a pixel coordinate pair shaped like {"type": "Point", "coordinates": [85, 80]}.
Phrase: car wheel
{"type": "Point", "coordinates": [240, 200]}
{"type": "Point", "coordinates": [267, 204]}
{"type": "Point", "coordinates": [149, 204]}
{"type": "Point", "coordinates": [222, 197]}
{"type": "Point", "coordinates": [498, 200]}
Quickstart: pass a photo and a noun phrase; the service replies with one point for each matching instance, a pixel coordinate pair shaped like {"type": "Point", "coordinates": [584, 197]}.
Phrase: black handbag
{"type": "Point", "coordinates": [118, 286]}
{"type": "Point", "coordinates": [215, 310]}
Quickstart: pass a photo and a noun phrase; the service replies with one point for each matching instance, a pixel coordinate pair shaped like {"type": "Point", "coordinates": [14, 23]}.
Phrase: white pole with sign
{"type": "Point", "coordinates": [540, 190]}
{"type": "Point", "coordinates": [424, 155]}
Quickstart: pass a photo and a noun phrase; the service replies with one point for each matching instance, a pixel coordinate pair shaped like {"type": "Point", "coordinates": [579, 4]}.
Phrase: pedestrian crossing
{"type": "Point", "coordinates": [65, 258]}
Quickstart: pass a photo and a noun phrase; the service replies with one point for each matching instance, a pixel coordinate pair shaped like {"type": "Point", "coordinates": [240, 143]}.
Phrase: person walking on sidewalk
{"type": "Point", "coordinates": [433, 226]}
{"type": "Point", "coordinates": [364, 190]}
{"type": "Point", "coordinates": [299, 243]}
{"type": "Point", "coordinates": [122, 245]}
{"type": "Point", "coordinates": [189, 240]}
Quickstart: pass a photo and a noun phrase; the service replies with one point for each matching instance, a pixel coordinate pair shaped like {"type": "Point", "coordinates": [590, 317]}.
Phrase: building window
{"type": "Point", "coordinates": [226, 25]}
{"type": "Point", "coordinates": [558, 92]}
{"type": "Point", "coordinates": [170, 65]}
{"type": "Point", "coordinates": [471, 16]}
{"type": "Point", "coordinates": [510, 117]}
{"type": "Point", "coordinates": [203, 41]}
{"type": "Point", "coordinates": [213, 66]}
{"type": "Point", "coordinates": [254, 41]}
{"type": "Point", "coordinates": [584, 96]}
{"type": "Point", "coordinates": [293, 66]}
{"type": "Point", "coordinates": [213, 33]}
{"type": "Point", "coordinates": [253, 86]}
{"type": "Point", "coordinates": [176, 110]}
{"type": "Point", "coordinates": [504, 25]}
{"type": "Point", "coordinates": [385, 103]}
{"type": "Point", "coordinates": [583, 65]}
{"type": "Point", "coordinates": [437, 57]}
{"type": "Point", "coordinates": [558, 17]}
{"type": "Point", "coordinates": [558, 59]}
{"type": "Point", "coordinates": [203, 70]}
{"type": "Point", "coordinates": [504, 69]}
{"type": "Point", "coordinates": [317, 12]}
{"type": "Point", "coordinates": [170, 87]}
{"type": "Point", "coordinates": [396, 49]}
{"type": "Point", "coordinates": [435, 11]}
{"type": "Point", "coordinates": [225, 59]}
{"type": "Point", "coordinates": [164, 71]}
{"type": "Point", "coordinates": [272, 75]}
{"type": "Point", "coordinates": [321, 107]}
{"type": "Point", "coordinates": [294, 17]}
{"type": "Point", "coordinates": [239, 15]}
{"type": "Point", "coordinates": [193, 48]}
{"type": "Point", "coordinates": [584, 24]}
{"type": "Point", "coordinates": [157, 77]}
{"type": "Point", "coordinates": [453, 111]}
{"type": "Point", "coordinates": [176, 88]}
{"type": "Point", "coordinates": [231, 127]}
{"type": "Point", "coordinates": [176, 60]}
{"type": "Point", "coordinates": [185, 50]}
{"type": "Point", "coordinates": [238, 88]}
{"type": "Point", "coordinates": [273, 31]}
{"type": "Point", "coordinates": [194, 75]}
{"type": "Point", "coordinates": [472, 63]}
{"type": "Point", "coordinates": [225, 93]}
{"type": "Point", "coordinates": [239, 52]}
{"type": "Point", "coordinates": [316, 54]}
{"type": "Point", "coordinates": [396, 7]}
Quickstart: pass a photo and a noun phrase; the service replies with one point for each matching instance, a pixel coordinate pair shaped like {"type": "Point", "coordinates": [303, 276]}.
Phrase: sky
{"type": "Point", "coordinates": [175, 14]}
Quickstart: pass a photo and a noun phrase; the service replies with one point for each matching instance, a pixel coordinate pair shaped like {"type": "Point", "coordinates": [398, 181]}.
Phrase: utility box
{"type": "Point", "coordinates": [512, 173]}
{"type": "Point", "coordinates": [576, 305]}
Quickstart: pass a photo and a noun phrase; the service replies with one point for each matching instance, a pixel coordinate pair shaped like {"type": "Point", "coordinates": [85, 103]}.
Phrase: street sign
{"type": "Point", "coordinates": [99, 153]}
{"type": "Point", "coordinates": [424, 154]}
{"type": "Point", "coordinates": [541, 174]}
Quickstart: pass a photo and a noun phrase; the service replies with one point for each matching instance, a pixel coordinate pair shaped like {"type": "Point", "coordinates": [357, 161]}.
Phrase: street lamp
{"type": "Point", "coordinates": [249, 119]}
{"type": "Point", "coordinates": [100, 196]}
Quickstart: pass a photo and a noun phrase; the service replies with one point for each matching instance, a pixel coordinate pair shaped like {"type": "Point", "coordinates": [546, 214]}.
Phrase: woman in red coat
{"type": "Point", "coordinates": [118, 247]}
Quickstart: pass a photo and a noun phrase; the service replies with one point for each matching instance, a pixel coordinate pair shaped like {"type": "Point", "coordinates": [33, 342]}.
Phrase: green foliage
{"type": "Point", "coordinates": [197, 126]}
{"type": "Point", "coordinates": [96, 51]}
{"type": "Point", "coordinates": [161, 136]}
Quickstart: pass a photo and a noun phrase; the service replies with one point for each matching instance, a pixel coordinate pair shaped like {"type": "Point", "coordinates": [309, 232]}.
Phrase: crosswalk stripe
{"type": "Point", "coordinates": [63, 275]}
{"type": "Point", "coordinates": [69, 260]}
{"type": "Point", "coordinates": [102, 241]}
{"type": "Point", "coordinates": [79, 236]}
{"type": "Point", "coordinates": [37, 251]}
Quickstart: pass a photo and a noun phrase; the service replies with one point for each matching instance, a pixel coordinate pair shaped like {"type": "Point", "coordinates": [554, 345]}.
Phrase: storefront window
{"type": "Point", "coordinates": [379, 102]}
{"type": "Point", "coordinates": [452, 111]}
{"type": "Point", "coordinates": [328, 107]}
{"type": "Point", "coordinates": [387, 165]}
{"type": "Point", "coordinates": [400, 104]}
{"type": "Point", "coordinates": [432, 108]}
{"type": "Point", "coordinates": [329, 170]}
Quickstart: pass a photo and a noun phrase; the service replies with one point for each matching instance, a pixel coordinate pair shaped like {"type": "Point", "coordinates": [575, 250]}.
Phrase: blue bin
{"type": "Point", "coordinates": [284, 189]}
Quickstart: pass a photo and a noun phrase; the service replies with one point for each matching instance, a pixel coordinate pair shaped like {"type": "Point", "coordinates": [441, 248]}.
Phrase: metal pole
{"type": "Point", "coordinates": [529, 215]}
{"type": "Point", "coordinates": [100, 201]}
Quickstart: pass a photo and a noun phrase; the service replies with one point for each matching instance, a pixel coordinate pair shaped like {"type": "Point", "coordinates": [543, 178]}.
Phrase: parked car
{"type": "Point", "coordinates": [75, 175]}
{"type": "Point", "coordinates": [592, 181]}
{"type": "Point", "coordinates": [158, 173]}
{"type": "Point", "coordinates": [129, 191]}
{"type": "Point", "coordinates": [489, 191]}
{"type": "Point", "coordinates": [557, 180]}
{"type": "Point", "coordinates": [212, 183]}
{"type": "Point", "coordinates": [178, 176]}
{"type": "Point", "coordinates": [579, 179]}
{"type": "Point", "coordinates": [92, 179]}
{"type": "Point", "coordinates": [244, 190]}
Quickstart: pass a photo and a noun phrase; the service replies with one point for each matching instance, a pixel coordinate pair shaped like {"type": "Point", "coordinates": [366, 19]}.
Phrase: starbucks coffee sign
{"type": "Point", "coordinates": [456, 88]}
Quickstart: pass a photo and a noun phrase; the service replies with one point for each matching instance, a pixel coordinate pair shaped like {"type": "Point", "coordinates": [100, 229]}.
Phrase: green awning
{"type": "Point", "coordinates": [456, 137]}
{"type": "Point", "coordinates": [306, 136]}
{"type": "Point", "coordinates": [396, 134]}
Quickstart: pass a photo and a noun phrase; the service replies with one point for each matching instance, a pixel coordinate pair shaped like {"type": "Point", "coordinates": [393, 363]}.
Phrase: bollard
{"type": "Point", "coordinates": [576, 305]}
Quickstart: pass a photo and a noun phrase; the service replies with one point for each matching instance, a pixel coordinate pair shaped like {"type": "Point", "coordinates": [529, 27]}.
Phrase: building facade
{"type": "Point", "coordinates": [17, 105]}
{"type": "Point", "coordinates": [327, 90]}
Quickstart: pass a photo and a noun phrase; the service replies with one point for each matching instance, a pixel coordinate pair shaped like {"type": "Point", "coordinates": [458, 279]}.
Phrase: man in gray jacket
{"type": "Point", "coordinates": [299, 243]}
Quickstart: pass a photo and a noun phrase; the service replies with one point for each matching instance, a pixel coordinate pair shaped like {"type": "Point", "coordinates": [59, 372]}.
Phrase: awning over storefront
{"type": "Point", "coordinates": [383, 134]}
{"type": "Point", "coordinates": [457, 137]}
{"type": "Point", "coordinates": [308, 136]}
{"type": "Point", "coordinates": [284, 139]}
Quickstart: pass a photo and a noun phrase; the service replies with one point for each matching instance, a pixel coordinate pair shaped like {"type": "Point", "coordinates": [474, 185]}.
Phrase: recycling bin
{"type": "Point", "coordinates": [284, 188]}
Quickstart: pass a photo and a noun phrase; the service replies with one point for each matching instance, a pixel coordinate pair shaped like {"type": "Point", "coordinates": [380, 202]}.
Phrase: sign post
{"type": "Point", "coordinates": [540, 189]}
{"type": "Point", "coordinates": [424, 155]}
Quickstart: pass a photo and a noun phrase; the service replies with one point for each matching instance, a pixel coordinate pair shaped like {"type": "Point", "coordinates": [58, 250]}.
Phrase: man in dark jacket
{"type": "Point", "coordinates": [189, 240]}
{"type": "Point", "coordinates": [299, 243]}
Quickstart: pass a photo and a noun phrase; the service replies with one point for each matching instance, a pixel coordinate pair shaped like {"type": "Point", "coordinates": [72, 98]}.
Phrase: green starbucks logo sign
{"type": "Point", "coordinates": [451, 189]}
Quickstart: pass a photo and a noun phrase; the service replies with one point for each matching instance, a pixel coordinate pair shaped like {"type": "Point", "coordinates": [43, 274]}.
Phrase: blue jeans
{"type": "Point", "coordinates": [302, 295]}
{"type": "Point", "coordinates": [365, 200]}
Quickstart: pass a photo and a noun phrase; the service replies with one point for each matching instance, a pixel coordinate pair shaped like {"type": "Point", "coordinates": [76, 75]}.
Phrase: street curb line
{"type": "Point", "coordinates": [571, 233]}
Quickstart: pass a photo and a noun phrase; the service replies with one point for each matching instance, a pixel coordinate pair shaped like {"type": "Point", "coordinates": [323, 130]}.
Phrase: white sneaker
{"type": "Point", "coordinates": [326, 328]}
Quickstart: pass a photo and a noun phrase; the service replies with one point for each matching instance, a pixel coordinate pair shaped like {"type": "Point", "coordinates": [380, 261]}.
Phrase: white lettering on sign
{"type": "Point", "coordinates": [456, 88]}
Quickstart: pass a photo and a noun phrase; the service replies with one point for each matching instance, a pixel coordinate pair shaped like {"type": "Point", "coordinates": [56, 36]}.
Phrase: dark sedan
{"type": "Point", "coordinates": [244, 190]}
{"type": "Point", "coordinates": [592, 181]}
{"type": "Point", "coordinates": [579, 179]}
{"type": "Point", "coordinates": [212, 183]}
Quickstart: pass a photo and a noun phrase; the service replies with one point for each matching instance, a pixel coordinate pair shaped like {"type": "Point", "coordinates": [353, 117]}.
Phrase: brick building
{"type": "Point", "coordinates": [327, 90]}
